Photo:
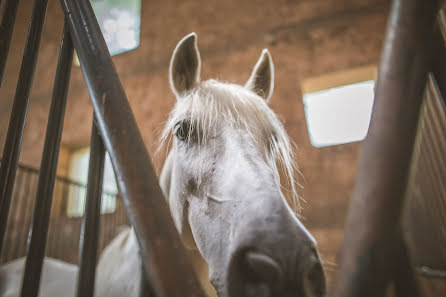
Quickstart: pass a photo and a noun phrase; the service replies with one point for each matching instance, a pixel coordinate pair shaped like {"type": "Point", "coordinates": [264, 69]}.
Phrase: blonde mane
{"type": "Point", "coordinates": [212, 102]}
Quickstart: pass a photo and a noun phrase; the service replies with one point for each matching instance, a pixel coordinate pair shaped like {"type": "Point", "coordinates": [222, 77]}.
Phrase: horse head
{"type": "Point", "coordinates": [222, 181]}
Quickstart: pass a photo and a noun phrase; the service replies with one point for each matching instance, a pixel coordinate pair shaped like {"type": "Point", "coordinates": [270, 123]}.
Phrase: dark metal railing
{"type": "Point", "coordinates": [65, 224]}
{"type": "Point", "coordinates": [45, 186]}
{"type": "Point", "coordinates": [90, 226]}
{"type": "Point", "coordinates": [374, 253]}
{"type": "Point", "coordinates": [6, 27]}
{"type": "Point", "coordinates": [19, 110]}
{"type": "Point", "coordinates": [164, 258]}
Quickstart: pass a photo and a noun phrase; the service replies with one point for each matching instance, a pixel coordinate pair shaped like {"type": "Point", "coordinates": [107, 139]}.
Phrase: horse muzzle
{"type": "Point", "coordinates": [253, 273]}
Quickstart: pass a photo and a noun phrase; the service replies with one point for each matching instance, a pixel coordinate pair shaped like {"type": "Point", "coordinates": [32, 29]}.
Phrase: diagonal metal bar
{"type": "Point", "coordinates": [14, 137]}
{"type": "Point", "coordinates": [88, 247]}
{"type": "Point", "coordinates": [6, 28]}
{"type": "Point", "coordinates": [163, 254]}
{"type": "Point", "coordinates": [367, 263]}
{"type": "Point", "coordinates": [45, 187]}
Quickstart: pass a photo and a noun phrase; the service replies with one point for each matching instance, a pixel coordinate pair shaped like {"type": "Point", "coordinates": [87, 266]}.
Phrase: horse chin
{"type": "Point", "coordinates": [219, 287]}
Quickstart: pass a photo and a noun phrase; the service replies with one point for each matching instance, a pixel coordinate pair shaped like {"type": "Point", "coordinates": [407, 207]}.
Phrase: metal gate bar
{"type": "Point", "coordinates": [90, 225]}
{"type": "Point", "coordinates": [14, 137]}
{"type": "Point", "coordinates": [6, 28]}
{"type": "Point", "coordinates": [45, 186]}
{"type": "Point", "coordinates": [21, 188]}
{"type": "Point", "coordinates": [368, 261]}
{"type": "Point", "coordinates": [25, 209]}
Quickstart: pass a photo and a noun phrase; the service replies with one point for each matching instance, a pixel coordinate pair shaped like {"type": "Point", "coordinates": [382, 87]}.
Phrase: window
{"type": "Point", "coordinates": [79, 173]}
{"type": "Point", "coordinates": [120, 22]}
{"type": "Point", "coordinates": [341, 113]}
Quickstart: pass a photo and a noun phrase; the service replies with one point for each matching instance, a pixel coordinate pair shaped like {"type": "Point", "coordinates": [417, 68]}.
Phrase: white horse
{"type": "Point", "coordinates": [221, 181]}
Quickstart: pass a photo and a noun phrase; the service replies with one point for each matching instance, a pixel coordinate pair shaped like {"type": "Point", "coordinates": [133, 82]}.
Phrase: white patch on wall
{"type": "Point", "coordinates": [339, 115]}
{"type": "Point", "coordinates": [79, 173]}
{"type": "Point", "coordinates": [120, 22]}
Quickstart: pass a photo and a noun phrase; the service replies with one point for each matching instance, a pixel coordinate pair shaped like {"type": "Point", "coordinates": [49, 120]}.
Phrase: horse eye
{"type": "Point", "coordinates": [274, 139]}
{"type": "Point", "coordinates": [272, 142]}
{"type": "Point", "coordinates": [182, 130]}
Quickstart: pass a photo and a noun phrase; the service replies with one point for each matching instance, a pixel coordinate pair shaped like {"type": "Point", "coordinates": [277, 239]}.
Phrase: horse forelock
{"type": "Point", "coordinates": [213, 102]}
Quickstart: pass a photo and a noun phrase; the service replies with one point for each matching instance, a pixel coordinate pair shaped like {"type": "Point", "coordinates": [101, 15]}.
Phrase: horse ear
{"type": "Point", "coordinates": [262, 76]}
{"type": "Point", "coordinates": [185, 65]}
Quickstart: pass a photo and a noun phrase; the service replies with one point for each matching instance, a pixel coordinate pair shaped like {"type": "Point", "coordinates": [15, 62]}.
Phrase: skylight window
{"type": "Point", "coordinates": [120, 23]}
{"type": "Point", "coordinates": [339, 115]}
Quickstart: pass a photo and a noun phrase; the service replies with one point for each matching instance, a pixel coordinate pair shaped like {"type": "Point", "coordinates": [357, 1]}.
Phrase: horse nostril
{"type": "Point", "coordinates": [314, 278]}
{"type": "Point", "coordinates": [262, 274]}
{"type": "Point", "coordinates": [263, 267]}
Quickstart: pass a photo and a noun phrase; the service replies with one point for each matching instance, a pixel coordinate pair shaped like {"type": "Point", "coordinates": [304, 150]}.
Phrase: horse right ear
{"type": "Point", "coordinates": [262, 76]}
{"type": "Point", "coordinates": [185, 65]}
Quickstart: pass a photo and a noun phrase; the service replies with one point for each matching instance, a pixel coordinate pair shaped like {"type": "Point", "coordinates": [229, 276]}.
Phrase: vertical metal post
{"type": "Point", "coordinates": [27, 216]}
{"type": "Point", "coordinates": [45, 187]}
{"type": "Point", "coordinates": [145, 289]}
{"type": "Point", "coordinates": [6, 28]}
{"type": "Point", "coordinates": [403, 274]}
{"type": "Point", "coordinates": [367, 264]}
{"type": "Point", "coordinates": [12, 221]}
{"type": "Point", "coordinates": [88, 247]}
{"type": "Point", "coordinates": [19, 110]}
{"type": "Point", "coordinates": [18, 211]}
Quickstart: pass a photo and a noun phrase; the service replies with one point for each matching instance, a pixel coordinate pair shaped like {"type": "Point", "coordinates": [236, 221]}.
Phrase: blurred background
{"type": "Point", "coordinates": [325, 54]}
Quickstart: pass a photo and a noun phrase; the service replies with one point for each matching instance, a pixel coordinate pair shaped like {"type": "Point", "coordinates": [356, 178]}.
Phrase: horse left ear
{"type": "Point", "coordinates": [184, 72]}
{"type": "Point", "coordinates": [262, 76]}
